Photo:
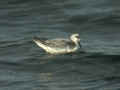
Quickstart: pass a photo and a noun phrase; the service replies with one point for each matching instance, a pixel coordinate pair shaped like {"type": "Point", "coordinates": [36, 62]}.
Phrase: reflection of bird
{"type": "Point", "coordinates": [59, 46]}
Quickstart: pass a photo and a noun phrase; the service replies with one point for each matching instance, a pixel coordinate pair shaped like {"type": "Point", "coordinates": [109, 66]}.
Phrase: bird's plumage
{"type": "Point", "coordinates": [56, 46]}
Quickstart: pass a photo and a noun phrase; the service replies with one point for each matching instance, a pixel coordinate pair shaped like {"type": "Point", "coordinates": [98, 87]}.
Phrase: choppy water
{"type": "Point", "coordinates": [24, 66]}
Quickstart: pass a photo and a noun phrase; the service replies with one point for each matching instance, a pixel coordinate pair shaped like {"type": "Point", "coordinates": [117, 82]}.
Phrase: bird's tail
{"type": "Point", "coordinates": [39, 42]}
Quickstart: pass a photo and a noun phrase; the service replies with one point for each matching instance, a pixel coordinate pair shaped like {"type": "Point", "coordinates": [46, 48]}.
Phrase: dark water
{"type": "Point", "coordinates": [24, 66]}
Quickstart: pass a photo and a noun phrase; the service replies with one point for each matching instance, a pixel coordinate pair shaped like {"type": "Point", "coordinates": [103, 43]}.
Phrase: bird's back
{"type": "Point", "coordinates": [56, 45]}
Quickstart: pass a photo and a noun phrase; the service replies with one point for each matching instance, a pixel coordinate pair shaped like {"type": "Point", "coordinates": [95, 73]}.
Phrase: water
{"type": "Point", "coordinates": [24, 66]}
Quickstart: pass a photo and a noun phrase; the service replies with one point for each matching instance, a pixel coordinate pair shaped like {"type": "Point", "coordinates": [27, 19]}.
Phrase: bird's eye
{"type": "Point", "coordinates": [77, 37]}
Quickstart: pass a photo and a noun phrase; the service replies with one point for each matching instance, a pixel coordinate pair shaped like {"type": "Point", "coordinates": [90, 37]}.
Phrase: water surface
{"type": "Point", "coordinates": [24, 66]}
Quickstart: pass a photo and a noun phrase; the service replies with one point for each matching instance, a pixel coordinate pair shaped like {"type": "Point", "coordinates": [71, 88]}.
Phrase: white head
{"type": "Point", "coordinates": [76, 39]}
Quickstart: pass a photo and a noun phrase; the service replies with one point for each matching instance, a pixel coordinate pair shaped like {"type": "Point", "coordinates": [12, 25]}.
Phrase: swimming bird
{"type": "Point", "coordinates": [59, 45]}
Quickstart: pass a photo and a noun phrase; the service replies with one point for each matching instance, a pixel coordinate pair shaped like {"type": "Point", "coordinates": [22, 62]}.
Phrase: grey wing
{"type": "Point", "coordinates": [55, 43]}
{"type": "Point", "coordinates": [50, 43]}
{"type": "Point", "coordinates": [59, 43]}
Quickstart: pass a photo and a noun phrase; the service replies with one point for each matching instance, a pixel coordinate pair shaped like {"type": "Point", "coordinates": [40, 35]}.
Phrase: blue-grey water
{"type": "Point", "coordinates": [25, 66]}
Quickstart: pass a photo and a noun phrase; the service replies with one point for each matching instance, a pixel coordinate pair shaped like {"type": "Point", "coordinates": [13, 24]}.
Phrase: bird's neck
{"type": "Point", "coordinates": [77, 44]}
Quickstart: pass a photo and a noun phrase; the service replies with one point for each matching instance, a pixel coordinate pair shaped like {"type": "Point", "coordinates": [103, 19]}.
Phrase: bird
{"type": "Point", "coordinates": [60, 45]}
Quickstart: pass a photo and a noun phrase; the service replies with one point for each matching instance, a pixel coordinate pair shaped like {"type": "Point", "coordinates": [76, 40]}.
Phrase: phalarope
{"type": "Point", "coordinates": [59, 45]}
